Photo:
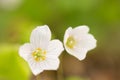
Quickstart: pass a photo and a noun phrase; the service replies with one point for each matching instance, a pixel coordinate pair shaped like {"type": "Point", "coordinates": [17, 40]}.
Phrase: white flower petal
{"type": "Point", "coordinates": [87, 41]}
{"type": "Point", "coordinates": [48, 64]}
{"type": "Point", "coordinates": [80, 30]}
{"type": "Point", "coordinates": [55, 48]}
{"type": "Point", "coordinates": [36, 67]}
{"type": "Point", "coordinates": [25, 50]}
{"type": "Point", "coordinates": [78, 53]}
{"type": "Point", "coordinates": [51, 64]}
{"type": "Point", "coordinates": [40, 36]}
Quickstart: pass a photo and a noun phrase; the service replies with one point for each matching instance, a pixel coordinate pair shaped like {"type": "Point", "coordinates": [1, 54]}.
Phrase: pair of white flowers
{"type": "Point", "coordinates": [42, 53]}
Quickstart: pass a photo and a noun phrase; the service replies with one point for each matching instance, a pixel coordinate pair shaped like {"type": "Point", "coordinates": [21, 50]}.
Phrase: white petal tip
{"type": "Point", "coordinates": [81, 57]}
{"type": "Point", "coordinates": [25, 50]}
{"type": "Point", "coordinates": [83, 28]}
{"type": "Point", "coordinates": [36, 72]}
{"type": "Point", "coordinates": [42, 26]}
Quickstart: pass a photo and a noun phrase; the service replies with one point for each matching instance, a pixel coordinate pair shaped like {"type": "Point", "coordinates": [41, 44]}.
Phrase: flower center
{"type": "Point", "coordinates": [70, 42]}
{"type": "Point", "coordinates": [39, 55]}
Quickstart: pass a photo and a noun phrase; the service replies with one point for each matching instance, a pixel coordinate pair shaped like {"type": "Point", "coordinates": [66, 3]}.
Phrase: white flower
{"type": "Point", "coordinates": [41, 53]}
{"type": "Point", "coordinates": [78, 41]}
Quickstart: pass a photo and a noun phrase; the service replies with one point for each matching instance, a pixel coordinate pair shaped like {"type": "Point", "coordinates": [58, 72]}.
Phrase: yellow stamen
{"type": "Point", "coordinates": [39, 55]}
{"type": "Point", "coordinates": [70, 42]}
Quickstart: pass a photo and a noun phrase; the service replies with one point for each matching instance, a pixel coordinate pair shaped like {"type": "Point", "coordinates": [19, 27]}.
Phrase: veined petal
{"type": "Point", "coordinates": [80, 30]}
{"type": "Point", "coordinates": [40, 36]}
{"type": "Point", "coordinates": [48, 64]}
{"type": "Point", "coordinates": [51, 64]}
{"type": "Point", "coordinates": [87, 41]}
{"type": "Point", "coordinates": [25, 50]}
{"type": "Point", "coordinates": [36, 67]}
{"type": "Point", "coordinates": [79, 53]}
{"type": "Point", "coordinates": [54, 49]}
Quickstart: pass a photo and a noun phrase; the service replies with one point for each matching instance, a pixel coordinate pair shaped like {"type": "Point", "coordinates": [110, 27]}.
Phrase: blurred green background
{"type": "Point", "coordinates": [19, 17]}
